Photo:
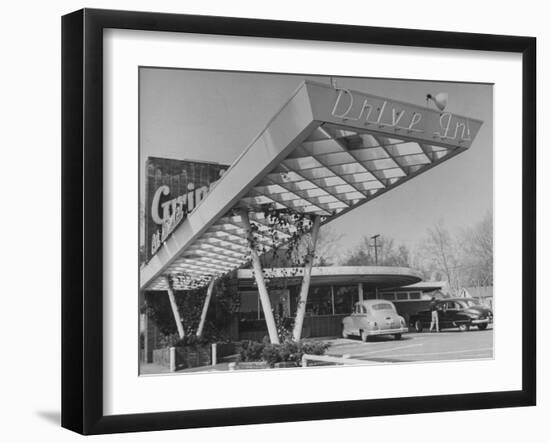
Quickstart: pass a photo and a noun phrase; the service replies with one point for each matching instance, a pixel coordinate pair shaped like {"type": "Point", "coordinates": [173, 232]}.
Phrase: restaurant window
{"type": "Point", "coordinates": [319, 301]}
{"type": "Point", "coordinates": [415, 295]}
{"type": "Point", "coordinates": [249, 304]}
{"type": "Point", "coordinates": [402, 296]}
{"type": "Point", "coordinates": [387, 296]}
{"type": "Point", "coordinates": [345, 298]}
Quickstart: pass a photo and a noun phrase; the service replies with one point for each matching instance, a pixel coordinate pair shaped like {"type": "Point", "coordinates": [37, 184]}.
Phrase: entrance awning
{"type": "Point", "coordinates": [326, 152]}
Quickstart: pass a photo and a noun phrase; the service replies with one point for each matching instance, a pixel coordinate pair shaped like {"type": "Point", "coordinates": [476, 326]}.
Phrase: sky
{"type": "Point", "coordinates": [214, 115]}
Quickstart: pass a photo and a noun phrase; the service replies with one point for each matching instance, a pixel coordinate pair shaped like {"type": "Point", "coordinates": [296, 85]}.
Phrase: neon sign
{"type": "Point", "coordinates": [387, 115]}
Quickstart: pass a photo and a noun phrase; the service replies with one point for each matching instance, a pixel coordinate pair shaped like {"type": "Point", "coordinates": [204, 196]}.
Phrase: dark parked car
{"type": "Point", "coordinates": [461, 313]}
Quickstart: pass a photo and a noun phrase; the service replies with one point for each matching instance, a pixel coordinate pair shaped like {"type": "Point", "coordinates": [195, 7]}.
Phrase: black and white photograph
{"type": "Point", "coordinates": [269, 222]}
{"type": "Point", "coordinates": [301, 221]}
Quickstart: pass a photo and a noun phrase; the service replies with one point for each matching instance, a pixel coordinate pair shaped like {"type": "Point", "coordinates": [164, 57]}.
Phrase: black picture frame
{"type": "Point", "coordinates": [82, 215]}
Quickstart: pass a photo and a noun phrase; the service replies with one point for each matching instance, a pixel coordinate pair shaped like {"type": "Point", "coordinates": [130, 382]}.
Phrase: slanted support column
{"type": "Point", "coordinates": [302, 300]}
{"type": "Point", "coordinates": [174, 306]}
{"type": "Point", "coordinates": [332, 299]}
{"type": "Point", "coordinates": [259, 276]}
{"type": "Point", "coordinates": [209, 292]}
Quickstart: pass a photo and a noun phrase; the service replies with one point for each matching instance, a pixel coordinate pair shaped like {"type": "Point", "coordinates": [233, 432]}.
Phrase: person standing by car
{"type": "Point", "coordinates": [435, 315]}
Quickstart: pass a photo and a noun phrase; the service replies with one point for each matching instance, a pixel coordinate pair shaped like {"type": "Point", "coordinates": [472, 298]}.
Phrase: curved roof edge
{"type": "Point", "coordinates": [374, 276]}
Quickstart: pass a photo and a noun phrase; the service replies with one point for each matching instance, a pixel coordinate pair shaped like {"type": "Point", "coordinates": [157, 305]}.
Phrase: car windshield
{"type": "Point", "coordinates": [382, 307]}
{"type": "Point", "coordinates": [467, 303]}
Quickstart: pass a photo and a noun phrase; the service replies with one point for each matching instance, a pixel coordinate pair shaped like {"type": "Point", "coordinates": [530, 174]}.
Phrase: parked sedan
{"type": "Point", "coordinates": [461, 313]}
{"type": "Point", "coordinates": [374, 317]}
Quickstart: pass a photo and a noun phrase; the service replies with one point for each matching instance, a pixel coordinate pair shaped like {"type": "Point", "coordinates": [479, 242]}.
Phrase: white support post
{"type": "Point", "coordinates": [332, 299]}
{"type": "Point", "coordinates": [144, 330]}
{"type": "Point", "coordinates": [172, 359]}
{"type": "Point", "coordinates": [209, 292]}
{"type": "Point", "coordinates": [174, 306]}
{"type": "Point", "coordinates": [302, 300]}
{"type": "Point", "coordinates": [214, 354]}
{"type": "Point", "coordinates": [259, 276]}
{"type": "Point", "coordinates": [360, 291]}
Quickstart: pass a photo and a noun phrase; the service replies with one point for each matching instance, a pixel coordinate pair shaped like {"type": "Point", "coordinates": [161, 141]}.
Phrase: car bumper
{"type": "Point", "coordinates": [388, 331]}
{"type": "Point", "coordinates": [482, 321]}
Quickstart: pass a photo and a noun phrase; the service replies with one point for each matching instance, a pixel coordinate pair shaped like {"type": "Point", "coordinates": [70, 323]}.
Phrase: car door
{"type": "Point", "coordinates": [425, 317]}
{"type": "Point", "coordinates": [446, 314]}
{"type": "Point", "coordinates": [451, 314]}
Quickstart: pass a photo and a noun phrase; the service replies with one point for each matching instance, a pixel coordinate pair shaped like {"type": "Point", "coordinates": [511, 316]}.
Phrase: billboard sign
{"type": "Point", "coordinates": [173, 189]}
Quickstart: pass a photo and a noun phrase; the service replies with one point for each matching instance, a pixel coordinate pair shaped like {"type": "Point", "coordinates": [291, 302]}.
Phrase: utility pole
{"type": "Point", "coordinates": [375, 246]}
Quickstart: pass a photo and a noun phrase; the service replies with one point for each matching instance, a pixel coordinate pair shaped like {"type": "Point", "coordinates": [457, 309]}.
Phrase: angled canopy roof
{"type": "Point", "coordinates": [325, 152]}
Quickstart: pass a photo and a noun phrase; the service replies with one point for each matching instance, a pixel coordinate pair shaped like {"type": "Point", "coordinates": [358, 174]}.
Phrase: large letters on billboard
{"type": "Point", "coordinates": [173, 189]}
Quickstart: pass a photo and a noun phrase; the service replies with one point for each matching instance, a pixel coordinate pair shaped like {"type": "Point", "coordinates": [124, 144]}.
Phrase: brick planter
{"type": "Point", "coordinates": [193, 356]}
{"type": "Point", "coordinates": [161, 357]}
{"type": "Point", "coordinates": [186, 356]}
{"type": "Point", "coordinates": [263, 365]}
{"type": "Point", "coordinates": [252, 365]}
{"type": "Point", "coordinates": [285, 364]}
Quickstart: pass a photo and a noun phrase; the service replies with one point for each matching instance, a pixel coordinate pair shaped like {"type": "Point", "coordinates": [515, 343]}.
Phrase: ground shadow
{"type": "Point", "coordinates": [382, 338]}
{"type": "Point", "coordinates": [457, 331]}
{"type": "Point", "coordinates": [54, 417]}
{"type": "Point", "coordinates": [385, 338]}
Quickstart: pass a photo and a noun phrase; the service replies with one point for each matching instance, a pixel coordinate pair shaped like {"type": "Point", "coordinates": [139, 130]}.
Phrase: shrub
{"type": "Point", "coordinates": [314, 348]}
{"type": "Point", "coordinates": [190, 340]}
{"type": "Point", "coordinates": [168, 340]}
{"type": "Point", "coordinates": [288, 351]}
{"type": "Point", "coordinates": [271, 354]}
{"type": "Point", "coordinates": [250, 350]}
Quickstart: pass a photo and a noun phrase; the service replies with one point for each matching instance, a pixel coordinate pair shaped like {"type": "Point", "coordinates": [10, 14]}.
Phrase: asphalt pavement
{"type": "Point", "coordinates": [449, 344]}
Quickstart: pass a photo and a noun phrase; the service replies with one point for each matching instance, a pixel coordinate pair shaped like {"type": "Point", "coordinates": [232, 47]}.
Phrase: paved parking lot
{"type": "Point", "coordinates": [449, 344]}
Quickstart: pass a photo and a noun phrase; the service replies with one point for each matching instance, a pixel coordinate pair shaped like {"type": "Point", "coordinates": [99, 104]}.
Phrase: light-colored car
{"type": "Point", "coordinates": [374, 317]}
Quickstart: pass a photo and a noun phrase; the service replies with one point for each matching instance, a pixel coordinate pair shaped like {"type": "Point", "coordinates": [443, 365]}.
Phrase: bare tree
{"type": "Point", "coordinates": [477, 252]}
{"type": "Point", "coordinates": [388, 253]}
{"type": "Point", "coordinates": [462, 259]}
{"type": "Point", "coordinates": [438, 256]}
{"type": "Point", "coordinates": [328, 250]}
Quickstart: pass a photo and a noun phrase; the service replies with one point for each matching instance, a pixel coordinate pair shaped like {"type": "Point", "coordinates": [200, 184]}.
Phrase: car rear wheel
{"type": "Point", "coordinates": [482, 326]}
{"type": "Point", "coordinates": [463, 327]}
{"type": "Point", "coordinates": [344, 334]}
{"type": "Point", "coordinates": [418, 326]}
{"type": "Point", "coordinates": [397, 336]}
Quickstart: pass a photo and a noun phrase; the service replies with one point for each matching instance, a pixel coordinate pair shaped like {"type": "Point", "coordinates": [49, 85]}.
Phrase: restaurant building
{"type": "Point", "coordinates": [333, 292]}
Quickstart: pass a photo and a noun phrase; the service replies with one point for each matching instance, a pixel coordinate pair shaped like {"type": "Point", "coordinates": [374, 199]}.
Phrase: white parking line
{"type": "Point", "coordinates": [464, 351]}
{"type": "Point", "coordinates": [390, 349]}
{"type": "Point", "coordinates": [366, 353]}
